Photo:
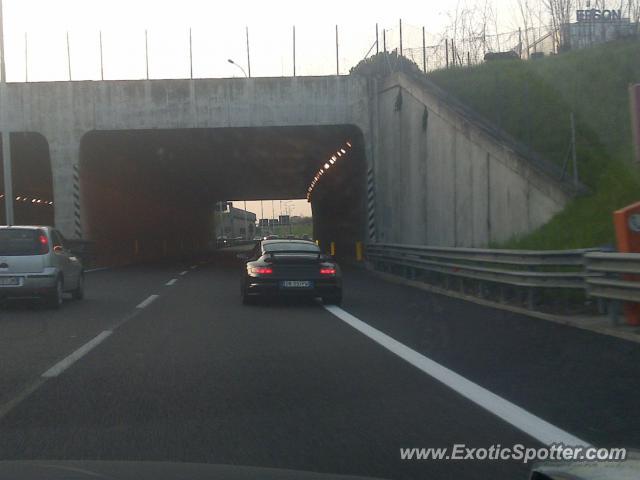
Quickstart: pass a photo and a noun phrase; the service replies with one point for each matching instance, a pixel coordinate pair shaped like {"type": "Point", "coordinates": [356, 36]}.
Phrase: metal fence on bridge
{"type": "Point", "coordinates": [256, 51]}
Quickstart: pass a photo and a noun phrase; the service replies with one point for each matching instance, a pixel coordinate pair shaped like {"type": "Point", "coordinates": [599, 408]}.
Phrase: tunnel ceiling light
{"type": "Point", "coordinates": [331, 161]}
{"type": "Point", "coordinates": [24, 199]}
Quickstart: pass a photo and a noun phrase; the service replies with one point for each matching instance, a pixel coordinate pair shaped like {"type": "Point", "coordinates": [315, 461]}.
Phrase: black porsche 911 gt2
{"type": "Point", "coordinates": [290, 267]}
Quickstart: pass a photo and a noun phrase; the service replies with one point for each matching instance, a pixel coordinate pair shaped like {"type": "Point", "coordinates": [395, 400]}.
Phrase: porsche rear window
{"type": "Point", "coordinates": [292, 247]}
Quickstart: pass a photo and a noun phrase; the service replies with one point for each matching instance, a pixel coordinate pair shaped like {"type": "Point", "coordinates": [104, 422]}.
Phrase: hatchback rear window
{"type": "Point", "coordinates": [20, 242]}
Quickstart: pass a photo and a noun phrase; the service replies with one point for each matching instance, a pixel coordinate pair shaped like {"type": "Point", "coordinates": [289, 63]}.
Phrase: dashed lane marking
{"type": "Point", "coordinates": [148, 301]}
{"type": "Point", "coordinates": [65, 363]}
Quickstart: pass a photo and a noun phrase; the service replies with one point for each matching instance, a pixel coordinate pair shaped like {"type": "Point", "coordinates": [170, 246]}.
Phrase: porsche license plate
{"type": "Point", "coordinates": [296, 284]}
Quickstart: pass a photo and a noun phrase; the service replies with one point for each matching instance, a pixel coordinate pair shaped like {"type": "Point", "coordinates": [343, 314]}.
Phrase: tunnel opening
{"type": "Point", "coordinates": [260, 218]}
{"type": "Point", "coordinates": [32, 180]}
{"type": "Point", "coordinates": [150, 194]}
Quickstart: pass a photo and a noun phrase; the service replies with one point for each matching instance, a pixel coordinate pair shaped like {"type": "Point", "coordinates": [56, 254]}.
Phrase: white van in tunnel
{"type": "Point", "coordinates": [35, 263]}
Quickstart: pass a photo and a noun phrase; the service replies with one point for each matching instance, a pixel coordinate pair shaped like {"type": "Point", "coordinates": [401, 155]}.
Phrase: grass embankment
{"type": "Point", "coordinates": [532, 101]}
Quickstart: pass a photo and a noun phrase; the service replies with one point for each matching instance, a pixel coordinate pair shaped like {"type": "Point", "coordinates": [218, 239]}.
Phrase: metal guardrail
{"type": "Point", "coordinates": [513, 257]}
{"type": "Point", "coordinates": [526, 270]}
{"type": "Point", "coordinates": [615, 278]}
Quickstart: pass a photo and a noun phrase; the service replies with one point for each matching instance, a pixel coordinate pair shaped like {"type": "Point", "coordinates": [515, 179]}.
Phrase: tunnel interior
{"type": "Point", "coordinates": [31, 180]}
{"type": "Point", "coordinates": [148, 194]}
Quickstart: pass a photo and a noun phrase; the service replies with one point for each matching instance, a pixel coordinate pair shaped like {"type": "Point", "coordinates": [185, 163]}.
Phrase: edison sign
{"type": "Point", "coordinates": [595, 15]}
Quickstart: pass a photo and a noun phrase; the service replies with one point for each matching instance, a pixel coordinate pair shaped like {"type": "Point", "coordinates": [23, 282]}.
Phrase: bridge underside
{"type": "Point", "coordinates": [151, 193]}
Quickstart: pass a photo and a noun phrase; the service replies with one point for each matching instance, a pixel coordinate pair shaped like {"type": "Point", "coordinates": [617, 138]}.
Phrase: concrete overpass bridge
{"type": "Point", "coordinates": [143, 162]}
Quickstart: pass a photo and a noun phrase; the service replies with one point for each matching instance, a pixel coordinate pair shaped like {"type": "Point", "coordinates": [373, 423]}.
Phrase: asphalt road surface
{"type": "Point", "coordinates": [163, 362]}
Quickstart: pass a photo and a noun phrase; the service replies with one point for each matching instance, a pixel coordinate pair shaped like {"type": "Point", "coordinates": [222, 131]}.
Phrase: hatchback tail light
{"type": "Point", "coordinates": [262, 270]}
{"type": "Point", "coordinates": [43, 243]}
{"type": "Point", "coordinates": [327, 271]}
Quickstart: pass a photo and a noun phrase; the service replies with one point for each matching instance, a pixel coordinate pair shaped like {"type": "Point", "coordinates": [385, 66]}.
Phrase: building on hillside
{"type": "Point", "coordinates": [234, 220]}
{"type": "Point", "coordinates": [591, 27]}
{"type": "Point", "coordinates": [594, 26]}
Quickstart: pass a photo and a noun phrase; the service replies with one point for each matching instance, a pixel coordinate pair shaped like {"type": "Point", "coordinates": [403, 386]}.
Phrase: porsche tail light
{"type": "Point", "coordinates": [327, 271]}
{"type": "Point", "coordinates": [262, 270]}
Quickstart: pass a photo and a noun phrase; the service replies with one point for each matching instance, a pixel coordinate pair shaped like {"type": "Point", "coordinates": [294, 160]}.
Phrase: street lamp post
{"type": "Point", "coordinates": [246, 222]}
{"type": "Point", "coordinates": [262, 218]}
{"type": "Point", "coordinates": [239, 66]}
{"type": "Point", "coordinates": [290, 209]}
{"type": "Point", "coordinates": [273, 217]}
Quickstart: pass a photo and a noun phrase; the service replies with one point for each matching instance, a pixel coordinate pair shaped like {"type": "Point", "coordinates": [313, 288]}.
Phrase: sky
{"type": "Point", "coordinates": [36, 37]}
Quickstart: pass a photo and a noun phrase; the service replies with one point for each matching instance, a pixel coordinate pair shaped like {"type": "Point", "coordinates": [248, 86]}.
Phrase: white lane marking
{"type": "Point", "coordinates": [171, 282]}
{"type": "Point", "coordinates": [11, 404]}
{"type": "Point", "coordinates": [184, 273]}
{"type": "Point", "coordinates": [148, 301]}
{"type": "Point", "coordinates": [62, 365]}
{"type": "Point", "coordinates": [192, 267]}
{"type": "Point", "coordinates": [524, 421]}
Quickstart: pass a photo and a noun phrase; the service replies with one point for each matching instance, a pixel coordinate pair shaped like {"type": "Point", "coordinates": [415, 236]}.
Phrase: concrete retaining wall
{"type": "Point", "coordinates": [451, 184]}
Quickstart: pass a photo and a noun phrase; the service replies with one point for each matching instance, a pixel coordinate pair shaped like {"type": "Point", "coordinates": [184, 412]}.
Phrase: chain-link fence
{"type": "Point", "coordinates": [432, 53]}
{"type": "Point", "coordinates": [227, 51]}
{"type": "Point", "coordinates": [262, 51]}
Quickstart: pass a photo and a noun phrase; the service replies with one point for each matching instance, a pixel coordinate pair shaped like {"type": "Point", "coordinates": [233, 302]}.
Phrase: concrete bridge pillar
{"type": "Point", "coordinates": [64, 151]}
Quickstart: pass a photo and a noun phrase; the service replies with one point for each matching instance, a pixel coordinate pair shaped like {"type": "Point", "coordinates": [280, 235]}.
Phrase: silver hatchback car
{"type": "Point", "coordinates": [34, 262]}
